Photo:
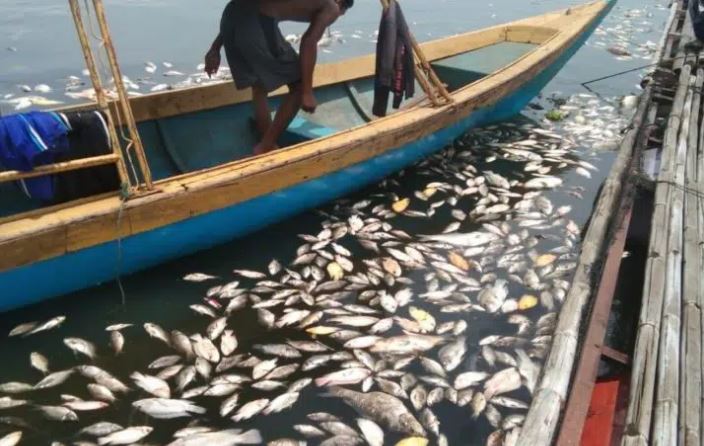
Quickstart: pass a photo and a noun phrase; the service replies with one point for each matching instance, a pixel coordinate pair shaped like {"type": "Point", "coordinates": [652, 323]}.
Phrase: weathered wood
{"type": "Point", "coordinates": [643, 374]}
{"type": "Point", "coordinates": [662, 45]}
{"type": "Point", "coordinates": [544, 414]}
{"type": "Point", "coordinates": [66, 166]}
{"type": "Point", "coordinates": [194, 194]}
{"type": "Point", "coordinates": [691, 372]}
{"type": "Point", "coordinates": [667, 396]}
{"type": "Point", "coordinates": [100, 95]}
{"type": "Point", "coordinates": [134, 142]}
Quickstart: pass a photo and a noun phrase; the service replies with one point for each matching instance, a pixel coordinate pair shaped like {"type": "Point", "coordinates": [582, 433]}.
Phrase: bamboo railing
{"type": "Point", "coordinates": [118, 115]}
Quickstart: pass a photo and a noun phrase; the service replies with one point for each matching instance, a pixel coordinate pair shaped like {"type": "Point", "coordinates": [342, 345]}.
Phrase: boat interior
{"type": "Point", "coordinates": [198, 128]}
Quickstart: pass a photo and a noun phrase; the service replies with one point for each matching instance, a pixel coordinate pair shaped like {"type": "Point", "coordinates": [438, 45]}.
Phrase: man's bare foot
{"type": "Point", "coordinates": [261, 149]}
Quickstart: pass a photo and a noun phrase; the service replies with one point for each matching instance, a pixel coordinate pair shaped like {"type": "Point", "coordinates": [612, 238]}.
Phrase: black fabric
{"type": "Point", "coordinates": [87, 138]}
{"type": "Point", "coordinates": [257, 52]}
{"type": "Point", "coordinates": [395, 71]}
{"type": "Point", "coordinates": [697, 15]}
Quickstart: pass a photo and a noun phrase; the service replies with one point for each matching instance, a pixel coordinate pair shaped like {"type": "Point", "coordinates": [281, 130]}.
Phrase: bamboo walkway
{"type": "Point", "coordinates": [665, 402]}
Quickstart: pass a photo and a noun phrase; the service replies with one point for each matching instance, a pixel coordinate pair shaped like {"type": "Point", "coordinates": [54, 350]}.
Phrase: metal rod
{"type": "Point", "coordinates": [65, 166]}
{"type": "Point", "coordinates": [100, 93]}
{"type": "Point", "coordinates": [123, 99]}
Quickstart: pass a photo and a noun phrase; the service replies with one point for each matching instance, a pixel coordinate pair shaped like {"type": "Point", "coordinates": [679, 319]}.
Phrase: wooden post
{"type": "Point", "coordinates": [123, 99]}
{"type": "Point", "coordinates": [100, 93]}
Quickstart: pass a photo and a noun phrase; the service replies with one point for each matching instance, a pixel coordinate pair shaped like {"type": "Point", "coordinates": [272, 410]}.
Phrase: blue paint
{"type": "Point", "coordinates": [89, 267]}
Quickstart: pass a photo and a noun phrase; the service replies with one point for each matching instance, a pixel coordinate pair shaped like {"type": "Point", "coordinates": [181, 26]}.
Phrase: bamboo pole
{"type": "Point", "coordinates": [123, 99]}
{"type": "Point", "coordinates": [666, 405]}
{"type": "Point", "coordinates": [546, 409]}
{"type": "Point", "coordinates": [643, 373]}
{"type": "Point", "coordinates": [65, 166]}
{"type": "Point", "coordinates": [691, 372]}
{"type": "Point", "coordinates": [101, 98]}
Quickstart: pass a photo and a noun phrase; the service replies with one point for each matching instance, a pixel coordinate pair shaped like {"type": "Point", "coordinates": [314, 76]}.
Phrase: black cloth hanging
{"type": "Point", "coordinates": [88, 137]}
{"type": "Point", "coordinates": [395, 68]}
{"type": "Point", "coordinates": [696, 10]}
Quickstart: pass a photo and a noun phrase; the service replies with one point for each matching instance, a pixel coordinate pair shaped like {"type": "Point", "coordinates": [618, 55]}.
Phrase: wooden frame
{"type": "Point", "coordinates": [48, 233]}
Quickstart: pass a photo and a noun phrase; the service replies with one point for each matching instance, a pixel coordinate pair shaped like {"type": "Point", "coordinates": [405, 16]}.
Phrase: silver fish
{"type": "Point", "coordinates": [343, 377]}
{"type": "Point", "coordinates": [505, 381]}
{"type": "Point", "coordinates": [281, 403]}
{"type": "Point", "coordinates": [48, 325]}
{"type": "Point", "coordinates": [452, 354]}
{"type": "Point", "coordinates": [151, 384]}
{"type": "Point", "coordinates": [100, 429]}
{"type": "Point", "coordinates": [162, 408]}
{"type": "Point", "coordinates": [54, 379]}
{"type": "Point", "coordinates": [126, 436]}
{"type": "Point", "coordinates": [58, 413]}
{"type": "Point", "coordinates": [382, 408]}
{"type": "Point", "coordinates": [371, 431]}
{"type": "Point", "coordinates": [227, 437]}
{"type": "Point", "coordinates": [250, 409]}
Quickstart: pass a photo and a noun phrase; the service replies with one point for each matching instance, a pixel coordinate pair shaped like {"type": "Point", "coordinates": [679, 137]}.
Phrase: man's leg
{"type": "Point", "coordinates": [284, 115]}
{"type": "Point", "coordinates": [262, 115]}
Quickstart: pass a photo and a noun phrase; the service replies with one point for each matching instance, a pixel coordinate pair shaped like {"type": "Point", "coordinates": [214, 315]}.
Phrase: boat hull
{"type": "Point", "coordinates": [98, 264]}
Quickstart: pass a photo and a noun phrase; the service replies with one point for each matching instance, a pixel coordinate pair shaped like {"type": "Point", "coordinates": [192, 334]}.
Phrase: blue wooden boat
{"type": "Point", "coordinates": [208, 189]}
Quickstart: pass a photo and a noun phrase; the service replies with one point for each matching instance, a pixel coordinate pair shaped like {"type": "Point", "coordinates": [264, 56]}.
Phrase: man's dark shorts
{"type": "Point", "coordinates": [257, 52]}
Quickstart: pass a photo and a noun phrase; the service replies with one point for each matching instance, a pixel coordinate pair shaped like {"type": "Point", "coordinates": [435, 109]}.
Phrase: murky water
{"type": "Point", "coordinates": [492, 295]}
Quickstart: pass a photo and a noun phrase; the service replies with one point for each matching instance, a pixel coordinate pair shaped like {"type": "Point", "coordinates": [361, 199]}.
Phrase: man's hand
{"type": "Point", "coordinates": [308, 103]}
{"type": "Point", "coordinates": [212, 62]}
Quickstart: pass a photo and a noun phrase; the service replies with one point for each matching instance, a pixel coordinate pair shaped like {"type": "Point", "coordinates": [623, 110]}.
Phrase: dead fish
{"type": "Point", "coordinates": [204, 348]}
{"type": "Point", "coordinates": [155, 331]}
{"type": "Point", "coordinates": [23, 329]}
{"type": "Point", "coordinates": [228, 342]}
{"type": "Point", "coordinates": [248, 274]}
{"type": "Point", "coordinates": [11, 439]}
{"type": "Point", "coordinates": [126, 436]}
{"type": "Point", "coordinates": [406, 344]}
{"type": "Point", "coordinates": [7, 402]}
{"type": "Point", "coordinates": [101, 393]}
{"type": "Point", "coordinates": [54, 379]}
{"type": "Point", "coordinates": [228, 437]}
{"type": "Point", "coordinates": [151, 384]}
{"type": "Point", "coordinates": [117, 341]}
{"type": "Point", "coordinates": [505, 381]}
{"type": "Point", "coordinates": [100, 429]}
{"type": "Point", "coordinates": [280, 350]}
{"type": "Point", "coordinates": [14, 387]}
{"type": "Point", "coordinates": [198, 277]}
{"type": "Point", "coordinates": [86, 406]}
{"type": "Point", "coordinates": [250, 409]}
{"type": "Point", "coordinates": [469, 379]}
{"type": "Point", "coordinates": [58, 413]}
{"type": "Point", "coordinates": [281, 403]}
{"type": "Point", "coordinates": [381, 408]}
{"type": "Point", "coordinates": [469, 240]}
{"type": "Point", "coordinates": [48, 325]}
{"type": "Point", "coordinates": [452, 354]}
{"type": "Point", "coordinates": [492, 297]}
{"type": "Point", "coordinates": [343, 377]}
{"type": "Point", "coordinates": [216, 328]}
{"type": "Point", "coordinates": [546, 182]}
{"type": "Point", "coordinates": [162, 408]}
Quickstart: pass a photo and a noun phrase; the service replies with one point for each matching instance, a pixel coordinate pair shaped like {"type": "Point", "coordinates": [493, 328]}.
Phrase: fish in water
{"type": "Point", "coordinates": [126, 436]}
{"type": "Point", "coordinates": [167, 408]}
{"type": "Point", "coordinates": [382, 408]}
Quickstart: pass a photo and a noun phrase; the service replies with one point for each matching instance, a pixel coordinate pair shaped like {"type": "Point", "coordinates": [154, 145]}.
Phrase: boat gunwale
{"type": "Point", "coordinates": [231, 174]}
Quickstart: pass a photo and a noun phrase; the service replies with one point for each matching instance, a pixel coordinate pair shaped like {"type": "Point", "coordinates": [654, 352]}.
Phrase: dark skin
{"type": "Point", "coordinates": [320, 14]}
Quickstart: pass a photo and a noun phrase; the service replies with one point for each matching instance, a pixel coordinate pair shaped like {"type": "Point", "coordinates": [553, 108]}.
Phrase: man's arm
{"type": "Point", "coordinates": [309, 51]}
{"type": "Point", "coordinates": [212, 57]}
